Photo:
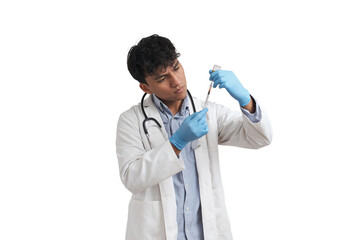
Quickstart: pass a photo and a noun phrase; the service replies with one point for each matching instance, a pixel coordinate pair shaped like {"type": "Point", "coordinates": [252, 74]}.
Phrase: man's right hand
{"type": "Point", "coordinates": [193, 127]}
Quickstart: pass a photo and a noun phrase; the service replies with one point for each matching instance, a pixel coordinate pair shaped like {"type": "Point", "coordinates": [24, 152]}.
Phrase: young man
{"type": "Point", "coordinates": [170, 161]}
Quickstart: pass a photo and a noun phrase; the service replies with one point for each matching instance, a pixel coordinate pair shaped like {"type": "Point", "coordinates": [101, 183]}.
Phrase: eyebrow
{"type": "Point", "coordinates": [159, 76]}
{"type": "Point", "coordinates": [162, 75]}
{"type": "Point", "coordinates": [176, 64]}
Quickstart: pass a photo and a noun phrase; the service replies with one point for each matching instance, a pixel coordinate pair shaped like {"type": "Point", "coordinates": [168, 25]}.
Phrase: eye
{"type": "Point", "coordinates": [161, 80]}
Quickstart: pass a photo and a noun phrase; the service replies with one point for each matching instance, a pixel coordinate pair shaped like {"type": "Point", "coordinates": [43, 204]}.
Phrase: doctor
{"type": "Point", "coordinates": [170, 163]}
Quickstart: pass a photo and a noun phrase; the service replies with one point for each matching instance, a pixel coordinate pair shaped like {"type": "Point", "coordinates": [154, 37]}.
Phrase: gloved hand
{"type": "Point", "coordinates": [228, 80]}
{"type": "Point", "coordinates": [193, 127]}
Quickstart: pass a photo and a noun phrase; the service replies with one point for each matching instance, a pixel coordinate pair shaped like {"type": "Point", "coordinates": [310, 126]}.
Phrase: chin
{"type": "Point", "coordinates": [183, 95]}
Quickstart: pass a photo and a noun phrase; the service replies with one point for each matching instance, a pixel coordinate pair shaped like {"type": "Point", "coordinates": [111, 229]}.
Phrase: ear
{"type": "Point", "coordinates": [145, 88]}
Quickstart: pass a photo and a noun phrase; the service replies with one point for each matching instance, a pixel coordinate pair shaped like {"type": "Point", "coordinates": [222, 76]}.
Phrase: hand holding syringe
{"type": "Point", "coordinates": [216, 67]}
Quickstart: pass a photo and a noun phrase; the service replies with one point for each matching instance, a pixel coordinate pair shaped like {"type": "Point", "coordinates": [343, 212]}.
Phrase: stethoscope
{"type": "Point", "coordinates": [153, 119]}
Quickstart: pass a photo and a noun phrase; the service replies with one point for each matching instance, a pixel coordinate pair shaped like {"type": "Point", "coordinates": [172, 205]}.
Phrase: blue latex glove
{"type": "Point", "coordinates": [193, 127]}
{"type": "Point", "coordinates": [228, 80]}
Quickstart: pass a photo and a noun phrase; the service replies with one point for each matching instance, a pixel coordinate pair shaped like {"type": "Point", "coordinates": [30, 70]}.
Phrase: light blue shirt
{"type": "Point", "coordinates": [186, 182]}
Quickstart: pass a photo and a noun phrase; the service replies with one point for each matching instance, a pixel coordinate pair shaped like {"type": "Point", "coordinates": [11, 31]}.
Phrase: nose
{"type": "Point", "coordinates": [175, 80]}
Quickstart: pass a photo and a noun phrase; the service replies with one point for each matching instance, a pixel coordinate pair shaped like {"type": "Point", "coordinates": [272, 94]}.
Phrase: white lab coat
{"type": "Point", "coordinates": [147, 173]}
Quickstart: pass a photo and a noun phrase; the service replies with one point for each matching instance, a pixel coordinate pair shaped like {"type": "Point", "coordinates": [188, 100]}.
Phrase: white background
{"type": "Point", "coordinates": [64, 82]}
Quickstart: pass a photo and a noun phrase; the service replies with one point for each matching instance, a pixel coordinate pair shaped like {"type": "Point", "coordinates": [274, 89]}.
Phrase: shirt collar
{"type": "Point", "coordinates": [163, 108]}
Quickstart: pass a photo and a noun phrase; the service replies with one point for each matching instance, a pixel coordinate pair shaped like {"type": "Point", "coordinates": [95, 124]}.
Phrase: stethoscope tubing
{"type": "Point", "coordinates": [153, 119]}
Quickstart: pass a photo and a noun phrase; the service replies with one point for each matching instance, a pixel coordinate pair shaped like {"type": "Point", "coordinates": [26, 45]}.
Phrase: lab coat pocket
{"type": "Point", "coordinates": [145, 220]}
{"type": "Point", "coordinates": [221, 216]}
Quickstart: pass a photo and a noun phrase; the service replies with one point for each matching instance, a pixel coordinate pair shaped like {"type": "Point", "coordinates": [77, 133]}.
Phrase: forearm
{"type": "Point", "coordinates": [177, 151]}
{"type": "Point", "coordinates": [251, 106]}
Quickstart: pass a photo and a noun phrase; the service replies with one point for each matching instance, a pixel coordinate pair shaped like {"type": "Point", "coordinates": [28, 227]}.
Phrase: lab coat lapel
{"type": "Point", "coordinates": [167, 186]}
{"type": "Point", "coordinates": [157, 136]}
{"type": "Point", "coordinates": [204, 174]}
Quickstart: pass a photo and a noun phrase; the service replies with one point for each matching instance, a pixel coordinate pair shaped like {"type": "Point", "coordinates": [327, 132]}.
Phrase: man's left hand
{"type": "Point", "coordinates": [228, 80]}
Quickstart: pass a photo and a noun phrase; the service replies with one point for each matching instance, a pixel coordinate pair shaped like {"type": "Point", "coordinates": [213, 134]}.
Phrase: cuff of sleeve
{"type": "Point", "coordinates": [253, 117]}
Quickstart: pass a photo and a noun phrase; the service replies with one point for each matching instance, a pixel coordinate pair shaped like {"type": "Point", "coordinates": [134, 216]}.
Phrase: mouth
{"type": "Point", "coordinates": [180, 90]}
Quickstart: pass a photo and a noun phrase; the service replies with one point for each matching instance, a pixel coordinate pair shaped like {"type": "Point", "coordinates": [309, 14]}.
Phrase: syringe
{"type": "Point", "coordinates": [216, 67]}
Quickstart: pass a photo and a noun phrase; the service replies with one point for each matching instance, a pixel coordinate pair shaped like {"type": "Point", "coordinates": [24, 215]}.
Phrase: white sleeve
{"type": "Point", "coordinates": [235, 129]}
{"type": "Point", "coordinates": [141, 169]}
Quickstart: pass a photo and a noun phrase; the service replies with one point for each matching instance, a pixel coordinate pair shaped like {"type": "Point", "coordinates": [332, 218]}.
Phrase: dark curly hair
{"type": "Point", "coordinates": [148, 55]}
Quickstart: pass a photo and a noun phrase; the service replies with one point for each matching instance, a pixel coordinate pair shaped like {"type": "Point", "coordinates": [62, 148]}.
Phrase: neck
{"type": "Point", "coordinates": [174, 106]}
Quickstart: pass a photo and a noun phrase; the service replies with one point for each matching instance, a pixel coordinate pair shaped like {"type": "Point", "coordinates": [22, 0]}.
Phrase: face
{"type": "Point", "coordinates": [167, 84]}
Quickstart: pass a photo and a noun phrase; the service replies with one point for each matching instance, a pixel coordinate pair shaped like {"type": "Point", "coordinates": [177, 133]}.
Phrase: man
{"type": "Point", "coordinates": [170, 163]}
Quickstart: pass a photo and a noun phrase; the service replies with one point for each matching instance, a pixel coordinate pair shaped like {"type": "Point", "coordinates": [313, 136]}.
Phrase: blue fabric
{"type": "Point", "coordinates": [253, 117]}
{"type": "Point", "coordinates": [186, 183]}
